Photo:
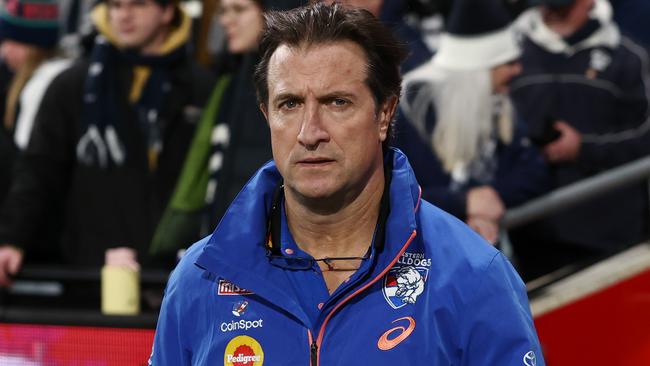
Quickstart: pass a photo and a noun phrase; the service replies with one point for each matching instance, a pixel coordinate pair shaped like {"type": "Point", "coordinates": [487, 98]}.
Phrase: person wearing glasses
{"type": "Point", "coordinates": [328, 256]}
{"type": "Point", "coordinates": [109, 142]}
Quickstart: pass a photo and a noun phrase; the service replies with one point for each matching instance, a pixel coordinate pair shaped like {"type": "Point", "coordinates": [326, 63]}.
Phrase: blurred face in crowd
{"type": "Point", "coordinates": [243, 22]}
{"type": "Point", "coordinates": [140, 24]}
{"type": "Point", "coordinates": [326, 130]}
{"type": "Point", "coordinates": [502, 75]}
{"type": "Point", "coordinates": [14, 53]}
{"type": "Point", "coordinates": [567, 19]}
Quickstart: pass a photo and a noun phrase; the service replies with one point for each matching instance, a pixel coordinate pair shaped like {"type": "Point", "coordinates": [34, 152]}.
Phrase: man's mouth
{"type": "Point", "coordinates": [315, 161]}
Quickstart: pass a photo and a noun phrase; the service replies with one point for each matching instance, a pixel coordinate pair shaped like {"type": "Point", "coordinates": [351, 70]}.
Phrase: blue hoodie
{"type": "Point", "coordinates": [436, 294]}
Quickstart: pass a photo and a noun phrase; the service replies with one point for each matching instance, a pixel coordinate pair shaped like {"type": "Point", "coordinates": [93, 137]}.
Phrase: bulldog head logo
{"type": "Point", "coordinates": [403, 285]}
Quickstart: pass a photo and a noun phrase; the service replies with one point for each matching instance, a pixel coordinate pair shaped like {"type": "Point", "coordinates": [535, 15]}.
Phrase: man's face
{"type": "Point", "coordinates": [139, 24]}
{"type": "Point", "coordinates": [14, 53]}
{"type": "Point", "coordinates": [575, 13]}
{"type": "Point", "coordinates": [243, 21]}
{"type": "Point", "coordinates": [326, 131]}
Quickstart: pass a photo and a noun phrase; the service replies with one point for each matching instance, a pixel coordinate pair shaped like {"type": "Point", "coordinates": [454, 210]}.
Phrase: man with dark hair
{"type": "Point", "coordinates": [109, 141]}
{"type": "Point", "coordinates": [328, 255]}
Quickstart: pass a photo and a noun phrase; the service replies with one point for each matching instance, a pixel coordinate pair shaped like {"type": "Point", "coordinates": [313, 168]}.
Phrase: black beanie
{"type": "Point", "coordinates": [34, 22]}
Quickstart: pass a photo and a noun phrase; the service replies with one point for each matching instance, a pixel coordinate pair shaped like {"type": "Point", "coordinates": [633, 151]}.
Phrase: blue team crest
{"type": "Point", "coordinates": [403, 285]}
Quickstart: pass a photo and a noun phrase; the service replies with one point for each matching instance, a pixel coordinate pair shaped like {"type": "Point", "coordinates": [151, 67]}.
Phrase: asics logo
{"type": "Point", "coordinates": [386, 343]}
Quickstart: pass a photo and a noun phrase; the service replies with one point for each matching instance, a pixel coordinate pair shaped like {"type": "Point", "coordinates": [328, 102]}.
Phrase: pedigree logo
{"type": "Point", "coordinates": [243, 351]}
{"type": "Point", "coordinates": [228, 288]}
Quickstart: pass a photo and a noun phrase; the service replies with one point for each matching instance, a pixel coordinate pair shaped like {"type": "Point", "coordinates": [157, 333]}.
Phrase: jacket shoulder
{"type": "Point", "coordinates": [187, 276]}
{"type": "Point", "coordinates": [440, 231]}
{"type": "Point", "coordinates": [451, 243]}
{"type": "Point", "coordinates": [74, 74]}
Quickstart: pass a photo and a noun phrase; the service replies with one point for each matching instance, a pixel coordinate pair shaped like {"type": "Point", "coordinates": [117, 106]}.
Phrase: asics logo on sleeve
{"type": "Point", "coordinates": [386, 343]}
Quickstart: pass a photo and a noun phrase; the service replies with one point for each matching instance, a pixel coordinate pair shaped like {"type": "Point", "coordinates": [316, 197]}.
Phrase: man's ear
{"type": "Point", "coordinates": [385, 116]}
{"type": "Point", "coordinates": [264, 111]}
{"type": "Point", "coordinates": [169, 11]}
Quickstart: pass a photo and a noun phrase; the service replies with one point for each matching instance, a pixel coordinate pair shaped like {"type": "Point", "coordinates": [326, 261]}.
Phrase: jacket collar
{"type": "Point", "coordinates": [531, 24]}
{"type": "Point", "coordinates": [236, 250]}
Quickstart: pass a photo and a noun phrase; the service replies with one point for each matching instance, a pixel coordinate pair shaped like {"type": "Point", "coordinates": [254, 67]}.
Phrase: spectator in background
{"type": "Point", "coordinates": [468, 150]}
{"type": "Point", "coordinates": [244, 143]}
{"type": "Point", "coordinates": [584, 90]}
{"type": "Point", "coordinates": [392, 14]}
{"type": "Point", "coordinates": [109, 140]}
{"type": "Point", "coordinates": [233, 138]}
{"type": "Point", "coordinates": [28, 35]}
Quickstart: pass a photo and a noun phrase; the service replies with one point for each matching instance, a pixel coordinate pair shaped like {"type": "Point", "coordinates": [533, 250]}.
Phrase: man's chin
{"type": "Point", "coordinates": [314, 193]}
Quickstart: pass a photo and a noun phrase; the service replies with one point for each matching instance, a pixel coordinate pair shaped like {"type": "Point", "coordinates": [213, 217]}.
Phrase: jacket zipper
{"type": "Point", "coordinates": [316, 342]}
{"type": "Point", "coordinates": [314, 353]}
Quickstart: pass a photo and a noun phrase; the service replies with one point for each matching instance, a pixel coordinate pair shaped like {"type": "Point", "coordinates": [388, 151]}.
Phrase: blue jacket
{"type": "Point", "coordinates": [437, 294]}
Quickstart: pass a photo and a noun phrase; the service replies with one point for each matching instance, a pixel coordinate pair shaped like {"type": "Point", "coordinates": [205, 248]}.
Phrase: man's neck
{"type": "Point", "coordinates": [347, 232]}
{"type": "Point", "coordinates": [154, 46]}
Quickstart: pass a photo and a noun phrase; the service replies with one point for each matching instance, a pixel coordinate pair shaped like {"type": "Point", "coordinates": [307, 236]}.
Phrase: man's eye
{"type": "Point", "coordinates": [339, 102]}
{"type": "Point", "coordinates": [289, 104]}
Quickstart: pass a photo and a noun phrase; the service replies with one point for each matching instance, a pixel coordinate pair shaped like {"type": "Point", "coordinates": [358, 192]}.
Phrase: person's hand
{"type": "Point", "coordinates": [122, 257]}
{"type": "Point", "coordinates": [11, 259]}
{"type": "Point", "coordinates": [566, 147]}
{"type": "Point", "coordinates": [486, 228]}
{"type": "Point", "coordinates": [484, 202]}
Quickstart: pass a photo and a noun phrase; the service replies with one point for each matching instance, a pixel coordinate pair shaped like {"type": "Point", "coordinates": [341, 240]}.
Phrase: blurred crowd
{"type": "Point", "coordinates": [130, 125]}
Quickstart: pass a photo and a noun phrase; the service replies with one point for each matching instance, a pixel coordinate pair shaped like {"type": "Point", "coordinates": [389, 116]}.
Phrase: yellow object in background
{"type": "Point", "coordinates": [120, 291]}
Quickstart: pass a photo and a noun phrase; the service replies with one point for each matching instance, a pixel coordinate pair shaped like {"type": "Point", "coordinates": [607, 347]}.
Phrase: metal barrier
{"type": "Point", "coordinates": [54, 295]}
{"type": "Point", "coordinates": [578, 192]}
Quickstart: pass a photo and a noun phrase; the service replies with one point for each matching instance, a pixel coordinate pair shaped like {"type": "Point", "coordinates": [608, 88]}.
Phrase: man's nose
{"type": "Point", "coordinates": [312, 129]}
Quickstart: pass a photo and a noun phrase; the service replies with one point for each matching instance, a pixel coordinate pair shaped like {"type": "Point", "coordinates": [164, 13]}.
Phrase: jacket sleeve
{"type": "Point", "coordinates": [522, 173]}
{"type": "Point", "coordinates": [631, 139]}
{"type": "Point", "coordinates": [168, 346]}
{"type": "Point", "coordinates": [497, 325]}
{"type": "Point", "coordinates": [42, 171]}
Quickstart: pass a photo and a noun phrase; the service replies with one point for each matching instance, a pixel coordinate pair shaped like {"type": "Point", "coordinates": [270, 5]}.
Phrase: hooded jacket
{"type": "Point", "coordinates": [435, 294]}
{"type": "Point", "coordinates": [597, 81]}
{"type": "Point", "coordinates": [96, 207]}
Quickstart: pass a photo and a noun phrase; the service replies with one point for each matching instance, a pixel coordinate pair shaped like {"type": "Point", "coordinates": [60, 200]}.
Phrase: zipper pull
{"type": "Point", "coordinates": [314, 354]}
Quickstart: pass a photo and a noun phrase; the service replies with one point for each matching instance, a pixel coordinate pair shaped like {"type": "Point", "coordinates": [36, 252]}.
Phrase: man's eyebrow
{"type": "Point", "coordinates": [286, 96]}
{"type": "Point", "coordinates": [337, 94]}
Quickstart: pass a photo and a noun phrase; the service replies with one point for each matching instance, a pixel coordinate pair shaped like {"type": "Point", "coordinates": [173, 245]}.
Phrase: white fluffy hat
{"type": "Point", "coordinates": [478, 35]}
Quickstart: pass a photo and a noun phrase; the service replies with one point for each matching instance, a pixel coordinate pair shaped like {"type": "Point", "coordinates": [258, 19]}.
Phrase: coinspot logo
{"type": "Point", "coordinates": [530, 359]}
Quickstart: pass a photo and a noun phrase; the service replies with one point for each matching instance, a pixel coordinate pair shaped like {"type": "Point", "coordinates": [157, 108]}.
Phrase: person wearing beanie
{"type": "Point", "coordinates": [109, 141]}
{"type": "Point", "coordinates": [28, 47]}
{"type": "Point", "coordinates": [456, 124]}
{"type": "Point", "coordinates": [585, 91]}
